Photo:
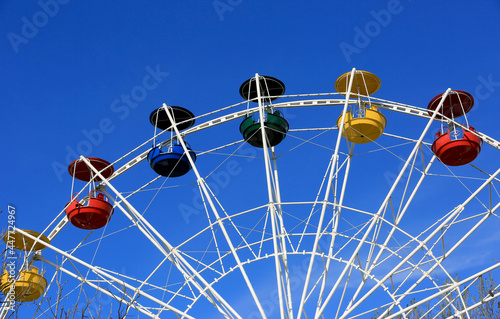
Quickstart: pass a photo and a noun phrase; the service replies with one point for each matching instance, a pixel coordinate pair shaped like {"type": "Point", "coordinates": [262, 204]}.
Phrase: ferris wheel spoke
{"type": "Point", "coordinates": [453, 286]}
{"type": "Point", "coordinates": [145, 282]}
{"type": "Point", "coordinates": [371, 265]}
{"type": "Point", "coordinates": [98, 271]}
{"type": "Point", "coordinates": [317, 235]}
{"type": "Point", "coordinates": [458, 210]}
{"type": "Point", "coordinates": [438, 259]}
{"type": "Point", "coordinates": [120, 295]}
{"type": "Point", "coordinates": [332, 175]}
{"type": "Point", "coordinates": [343, 295]}
{"type": "Point", "coordinates": [205, 188]}
{"type": "Point", "coordinates": [316, 201]}
{"type": "Point", "coordinates": [189, 281]}
{"type": "Point", "coordinates": [401, 211]}
{"type": "Point", "coordinates": [335, 224]}
{"type": "Point", "coordinates": [213, 231]}
{"type": "Point", "coordinates": [484, 300]}
{"type": "Point", "coordinates": [398, 215]}
{"type": "Point", "coordinates": [460, 240]}
{"type": "Point", "coordinates": [206, 266]}
{"type": "Point", "coordinates": [415, 266]}
{"type": "Point", "coordinates": [275, 212]}
{"type": "Point", "coordinates": [234, 253]}
{"type": "Point", "coordinates": [163, 245]}
{"type": "Point", "coordinates": [227, 217]}
{"type": "Point", "coordinates": [428, 258]}
{"type": "Point", "coordinates": [335, 254]}
{"type": "Point", "coordinates": [381, 209]}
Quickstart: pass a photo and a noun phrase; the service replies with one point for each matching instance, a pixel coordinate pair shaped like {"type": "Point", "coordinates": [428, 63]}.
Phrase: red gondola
{"type": "Point", "coordinates": [457, 148]}
{"type": "Point", "coordinates": [456, 104]}
{"type": "Point", "coordinates": [80, 170]}
{"type": "Point", "coordinates": [93, 215]}
{"type": "Point", "coordinates": [453, 145]}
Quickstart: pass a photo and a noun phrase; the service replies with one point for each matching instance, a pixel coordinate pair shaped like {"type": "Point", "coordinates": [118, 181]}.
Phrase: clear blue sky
{"type": "Point", "coordinates": [83, 76]}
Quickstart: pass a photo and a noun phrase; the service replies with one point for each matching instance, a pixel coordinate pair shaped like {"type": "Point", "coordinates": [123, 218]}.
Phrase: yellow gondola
{"type": "Point", "coordinates": [30, 285]}
{"type": "Point", "coordinates": [365, 83]}
{"type": "Point", "coordinates": [363, 129]}
{"type": "Point", "coordinates": [363, 123]}
{"type": "Point", "coordinates": [21, 242]}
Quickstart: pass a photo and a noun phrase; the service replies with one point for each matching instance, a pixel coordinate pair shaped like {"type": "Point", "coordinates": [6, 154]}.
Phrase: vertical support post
{"type": "Point", "coordinates": [327, 194]}
{"type": "Point", "coordinates": [382, 206]}
{"type": "Point", "coordinates": [274, 197]}
{"type": "Point", "coordinates": [334, 228]}
{"type": "Point", "coordinates": [458, 210]}
{"type": "Point", "coordinates": [393, 229]}
{"type": "Point", "coordinates": [171, 251]}
{"type": "Point", "coordinates": [204, 188]}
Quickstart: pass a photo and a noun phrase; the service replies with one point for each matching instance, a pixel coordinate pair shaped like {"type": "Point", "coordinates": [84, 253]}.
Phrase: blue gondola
{"type": "Point", "coordinates": [170, 163]}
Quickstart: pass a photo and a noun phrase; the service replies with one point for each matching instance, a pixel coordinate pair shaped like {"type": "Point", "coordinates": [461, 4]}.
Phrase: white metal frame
{"type": "Point", "coordinates": [322, 286]}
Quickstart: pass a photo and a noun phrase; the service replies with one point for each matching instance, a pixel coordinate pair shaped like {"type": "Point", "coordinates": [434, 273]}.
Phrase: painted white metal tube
{"type": "Point", "coordinates": [327, 194]}
{"type": "Point", "coordinates": [334, 228]}
{"type": "Point", "coordinates": [446, 290]}
{"type": "Point", "coordinates": [133, 304]}
{"type": "Point", "coordinates": [389, 194]}
{"type": "Point", "coordinates": [271, 204]}
{"type": "Point", "coordinates": [204, 186]}
{"type": "Point", "coordinates": [393, 229]}
{"type": "Point", "coordinates": [282, 230]}
{"type": "Point", "coordinates": [473, 229]}
{"type": "Point", "coordinates": [457, 211]}
{"type": "Point", "coordinates": [104, 274]}
{"type": "Point", "coordinates": [167, 245]}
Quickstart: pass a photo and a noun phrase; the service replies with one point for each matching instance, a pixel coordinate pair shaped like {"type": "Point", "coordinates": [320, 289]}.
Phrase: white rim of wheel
{"type": "Point", "coordinates": [326, 256]}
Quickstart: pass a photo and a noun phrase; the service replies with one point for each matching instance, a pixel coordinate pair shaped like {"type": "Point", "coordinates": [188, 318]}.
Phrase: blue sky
{"type": "Point", "coordinates": [82, 78]}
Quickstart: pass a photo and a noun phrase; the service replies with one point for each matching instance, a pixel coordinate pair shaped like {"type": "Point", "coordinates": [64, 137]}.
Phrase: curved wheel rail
{"type": "Point", "coordinates": [382, 104]}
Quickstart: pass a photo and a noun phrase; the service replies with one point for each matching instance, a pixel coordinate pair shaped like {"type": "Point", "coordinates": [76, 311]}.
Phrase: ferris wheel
{"type": "Point", "coordinates": [333, 205]}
